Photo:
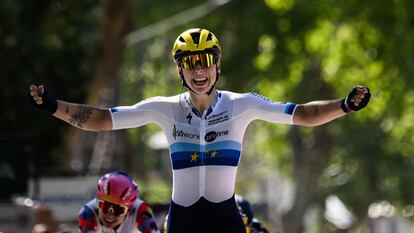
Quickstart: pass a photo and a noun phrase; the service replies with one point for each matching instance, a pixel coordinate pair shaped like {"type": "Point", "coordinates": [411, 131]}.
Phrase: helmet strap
{"type": "Point", "coordinates": [214, 84]}
{"type": "Point", "coordinates": [184, 83]}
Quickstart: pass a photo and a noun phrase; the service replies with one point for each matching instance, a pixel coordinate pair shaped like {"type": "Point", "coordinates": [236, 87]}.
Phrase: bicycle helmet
{"type": "Point", "coordinates": [118, 188]}
{"type": "Point", "coordinates": [245, 207]}
{"type": "Point", "coordinates": [195, 40]}
{"type": "Point", "coordinates": [192, 41]}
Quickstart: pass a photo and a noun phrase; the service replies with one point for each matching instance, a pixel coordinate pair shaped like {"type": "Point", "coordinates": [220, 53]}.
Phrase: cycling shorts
{"type": "Point", "coordinates": [205, 217]}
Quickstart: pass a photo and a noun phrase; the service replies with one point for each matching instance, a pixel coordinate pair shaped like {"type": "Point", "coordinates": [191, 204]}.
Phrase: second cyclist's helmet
{"type": "Point", "coordinates": [245, 207]}
{"type": "Point", "coordinates": [195, 40]}
{"type": "Point", "coordinates": [118, 188]}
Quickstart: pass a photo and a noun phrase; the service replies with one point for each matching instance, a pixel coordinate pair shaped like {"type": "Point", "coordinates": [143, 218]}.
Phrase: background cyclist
{"type": "Point", "coordinates": [117, 208]}
{"type": "Point", "coordinates": [253, 225]}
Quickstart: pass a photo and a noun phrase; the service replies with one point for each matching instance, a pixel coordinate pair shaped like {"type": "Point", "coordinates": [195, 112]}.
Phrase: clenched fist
{"type": "Point", "coordinates": [357, 99]}
{"type": "Point", "coordinates": [39, 98]}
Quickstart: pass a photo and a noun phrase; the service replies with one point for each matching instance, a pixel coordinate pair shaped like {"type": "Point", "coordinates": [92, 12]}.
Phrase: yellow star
{"type": "Point", "coordinates": [213, 154]}
{"type": "Point", "coordinates": [194, 157]}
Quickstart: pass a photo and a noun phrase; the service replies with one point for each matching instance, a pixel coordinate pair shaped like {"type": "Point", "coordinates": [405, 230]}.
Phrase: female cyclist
{"type": "Point", "coordinates": [117, 208]}
{"type": "Point", "coordinates": [204, 128]}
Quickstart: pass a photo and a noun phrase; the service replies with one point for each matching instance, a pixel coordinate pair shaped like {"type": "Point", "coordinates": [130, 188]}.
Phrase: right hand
{"type": "Point", "coordinates": [36, 92]}
{"type": "Point", "coordinates": [40, 99]}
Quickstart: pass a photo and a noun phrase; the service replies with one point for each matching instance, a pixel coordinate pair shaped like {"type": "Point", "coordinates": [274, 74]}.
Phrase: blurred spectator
{"type": "Point", "coordinates": [40, 228]}
{"type": "Point", "coordinates": [63, 228]}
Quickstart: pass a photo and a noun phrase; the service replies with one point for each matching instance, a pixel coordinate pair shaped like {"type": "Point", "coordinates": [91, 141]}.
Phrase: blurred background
{"type": "Point", "coordinates": [353, 175]}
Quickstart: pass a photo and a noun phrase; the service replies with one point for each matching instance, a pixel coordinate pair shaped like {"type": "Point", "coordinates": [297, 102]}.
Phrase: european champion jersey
{"type": "Point", "coordinates": [205, 148]}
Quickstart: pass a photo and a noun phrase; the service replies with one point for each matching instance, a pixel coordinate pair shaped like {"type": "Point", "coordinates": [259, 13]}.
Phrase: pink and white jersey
{"type": "Point", "coordinates": [140, 219]}
{"type": "Point", "coordinates": [205, 148]}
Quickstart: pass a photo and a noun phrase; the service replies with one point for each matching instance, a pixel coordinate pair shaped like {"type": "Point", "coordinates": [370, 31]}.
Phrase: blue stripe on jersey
{"type": "Point", "coordinates": [232, 145]}
{"type": "Point", "coordinates": [182, 146]}
{"type": "Point", "coordinates": [114, 110]}
{"type": "Point", "coordinates": [289, 108]}
{"type": "Point", "coordinates": [188, 159]}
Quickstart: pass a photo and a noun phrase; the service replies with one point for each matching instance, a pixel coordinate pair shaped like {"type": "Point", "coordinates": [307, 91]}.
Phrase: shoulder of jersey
{"type": "Point", "coordinates": [161, 99]}
{"type": "Point", "coordinates": [231, 95]}
{"type": "Point", "coordinates": [244, 96]}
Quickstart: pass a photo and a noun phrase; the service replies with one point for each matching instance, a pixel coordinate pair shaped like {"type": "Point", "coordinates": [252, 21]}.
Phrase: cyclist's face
{"type": "Point", "coordinates": [111, 214]}
{"type": "Point", "coordinates": [199, 78]}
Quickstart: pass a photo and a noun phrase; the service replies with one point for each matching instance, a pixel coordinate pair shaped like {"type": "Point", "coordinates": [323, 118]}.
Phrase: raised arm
{"type": "Point", "coordinates": [79, 115]}
{"type": "Point", "coordinates": [320, 112]}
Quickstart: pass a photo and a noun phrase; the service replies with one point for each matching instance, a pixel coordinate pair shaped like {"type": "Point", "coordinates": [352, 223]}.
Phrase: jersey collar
{"type": "Point", "coordinates": [188, 104]}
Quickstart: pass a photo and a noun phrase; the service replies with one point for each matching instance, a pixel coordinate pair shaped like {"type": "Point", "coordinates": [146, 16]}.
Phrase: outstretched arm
{"type": "Point", "coordinates": [320, 112]}
{"type": "Point", "coordinates": [317, 112]}
{"type": "Point", "coordinates": [84, 116]}
{"type": "Point", "coordinates": [79, 115]}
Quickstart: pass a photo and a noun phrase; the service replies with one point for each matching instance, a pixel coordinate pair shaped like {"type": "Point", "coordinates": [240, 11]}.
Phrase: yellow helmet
{"type": "Point", "coordinates": [195, 40]}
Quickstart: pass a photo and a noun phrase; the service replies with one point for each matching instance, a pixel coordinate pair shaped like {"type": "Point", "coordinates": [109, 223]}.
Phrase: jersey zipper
{"type": "Point", "coordinates": [202, 177]}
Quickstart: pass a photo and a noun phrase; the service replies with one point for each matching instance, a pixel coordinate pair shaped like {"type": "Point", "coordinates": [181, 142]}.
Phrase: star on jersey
{"type": "Point", "coordinates": [213, 154]}
{"type": "Point", "coordinates": [194, 157]}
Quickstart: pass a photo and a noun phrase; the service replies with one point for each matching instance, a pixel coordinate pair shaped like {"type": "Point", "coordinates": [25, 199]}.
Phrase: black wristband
{"type": "Point", "coordinates": [49, 104]}
{"type": "Point", "coordinates": [52, 106]}
{"type": "Point", "coordinates": [345, 106]}
{"type": "Point", "coordinates": [349, 106]}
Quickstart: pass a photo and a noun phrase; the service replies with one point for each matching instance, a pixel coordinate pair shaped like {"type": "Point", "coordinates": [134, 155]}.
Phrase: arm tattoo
{"type": "Point", "coordinates": [81, 116]}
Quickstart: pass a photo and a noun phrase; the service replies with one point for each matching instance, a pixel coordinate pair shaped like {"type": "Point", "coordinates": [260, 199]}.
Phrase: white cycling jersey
{"type": "Point", "coordinates": [205, 148]}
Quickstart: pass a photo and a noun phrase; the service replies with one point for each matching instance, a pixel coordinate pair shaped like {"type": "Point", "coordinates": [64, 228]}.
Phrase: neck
{"type": "Point", "coordinates": [202, 102]}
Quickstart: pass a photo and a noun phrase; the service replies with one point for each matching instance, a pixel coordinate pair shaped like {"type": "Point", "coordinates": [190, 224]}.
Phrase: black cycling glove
{"type": "Point", "coordinates": [49, 104]}
{"type": "Point", "coordinates": [349, 106]}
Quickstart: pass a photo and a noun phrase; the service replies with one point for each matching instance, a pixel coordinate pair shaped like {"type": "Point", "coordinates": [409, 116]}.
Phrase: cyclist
{"type": "Point", "coordinates": [204, 128]}
{"type": "Point", "coordinates": [253, 225]}
{"type": "Point", "coordinates": [117, 208]}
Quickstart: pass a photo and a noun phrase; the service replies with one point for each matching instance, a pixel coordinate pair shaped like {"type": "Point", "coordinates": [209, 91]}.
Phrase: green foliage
{"type": "Point", "coordinates": [155, 191]}
{"type": "Point", "coordinates": [51, 43]}
{"type": "Point", "coordinates": [271, 47]}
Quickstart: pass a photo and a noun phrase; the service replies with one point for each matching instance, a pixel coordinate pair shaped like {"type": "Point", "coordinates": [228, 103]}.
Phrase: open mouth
{"type": "Point", "coordinates": [109, 221]}
{"type": "Point", "coordinates": [200, 81]}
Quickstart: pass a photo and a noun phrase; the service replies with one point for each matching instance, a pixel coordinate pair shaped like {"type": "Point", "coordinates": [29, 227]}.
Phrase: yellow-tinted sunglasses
{"type": "Point", "coordinates": [206, 60]}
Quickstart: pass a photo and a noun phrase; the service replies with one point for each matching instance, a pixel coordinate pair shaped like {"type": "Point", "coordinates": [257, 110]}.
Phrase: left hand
{"type": "Point", "coordinates": [356, 100]}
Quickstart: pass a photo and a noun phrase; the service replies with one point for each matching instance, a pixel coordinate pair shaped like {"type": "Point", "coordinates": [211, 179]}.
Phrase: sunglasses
{"type": "Point", "coordinates": [115, 209]}
{"type": "Point", "coordinates": [206, 60]}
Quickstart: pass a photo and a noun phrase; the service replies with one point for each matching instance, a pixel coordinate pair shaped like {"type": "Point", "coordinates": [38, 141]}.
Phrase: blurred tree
{"type": "Point", "coordinates": [300, 51]}
{"type": "Point", "coordinates": [94, 152]}
{"type": "Point", "coordinates": [40, 42]}
{"type": "Point", "coordinates": [327, 48]}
